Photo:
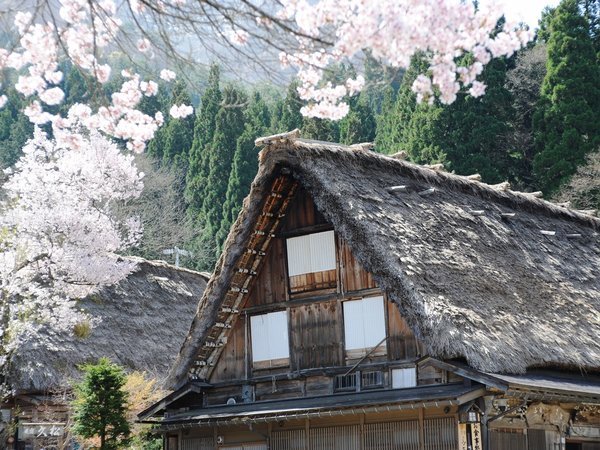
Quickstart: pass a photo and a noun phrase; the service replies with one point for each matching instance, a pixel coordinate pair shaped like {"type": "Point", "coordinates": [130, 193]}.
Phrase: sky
{"type": "Point", "coordinates": [527, 10]}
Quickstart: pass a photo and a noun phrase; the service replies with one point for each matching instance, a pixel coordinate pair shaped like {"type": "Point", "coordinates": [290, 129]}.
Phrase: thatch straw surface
{"type": "Point", "coordinates": [504, 292]}
{"type": "Point", "coordinates": [143, 320]}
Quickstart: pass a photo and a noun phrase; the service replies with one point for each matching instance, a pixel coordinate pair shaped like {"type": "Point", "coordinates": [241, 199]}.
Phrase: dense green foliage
{"type": "Point", "coordinates": [566, 120]}
{"type": "Point", "coordinates": [100, 406]}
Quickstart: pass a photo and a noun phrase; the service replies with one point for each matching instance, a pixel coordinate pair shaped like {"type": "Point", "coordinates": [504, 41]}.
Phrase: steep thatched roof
{"type": "Point", "coordinates": [503, 279]}
{"type": "Point", "coordinates": [143, 320]}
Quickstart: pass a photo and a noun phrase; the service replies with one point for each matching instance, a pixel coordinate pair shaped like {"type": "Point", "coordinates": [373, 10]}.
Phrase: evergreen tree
{"type": "Point", "coordinates": [385, 123]}
{"type": "Point", "coordinates": [178, 133]}
{"type": "Point", "coordinates": [473, 131]}
{"type": "Point", "coordinates": [394, 120]}
{"type": "Point", "coordinates": [245, 163]}
{"type": "Point", "coordinates": [100, 405]}
{"type": "Point", "coordinates": [229, 126]}
{"type": "Point", "coordinates": [567, 117]}
{"type": "Point", "coordinates": [359, 124]}
{"type": "Point", "coordinates": [291, 118]}
{"type": "Point", "coordinates": [204, 130]}
{"type": "Point", "coordinates": [15, 130]}
{"type": "Point", "coordinates": [321, 129]}
{"type": "Point", "coordinates": [591, 12]}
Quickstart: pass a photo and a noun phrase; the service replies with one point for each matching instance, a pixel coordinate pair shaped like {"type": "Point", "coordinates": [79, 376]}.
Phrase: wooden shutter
{"type": "Point", "coordinates": [364, 324]}
{"type": "Point", "coordinates": [270, 337]}
{"type": "Point", "coordinates": [403, 435]}
{"type": "Point", "coordinates": [404, 378]}
{"type": "Point", "coordinates": [504, 439]}
{"type": "Point", "coordinates": [441, 434]}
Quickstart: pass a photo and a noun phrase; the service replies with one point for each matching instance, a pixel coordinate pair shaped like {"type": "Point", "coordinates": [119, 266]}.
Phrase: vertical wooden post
{"type": "Point", "coordinates": [362, 432]}
{"type": "Point", "coordinates": [306, 434]}
{"type": "Point", "coordinates": [421, 429]}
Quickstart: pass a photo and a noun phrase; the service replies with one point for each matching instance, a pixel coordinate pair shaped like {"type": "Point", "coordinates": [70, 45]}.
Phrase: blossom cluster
{"type": "Point", "coordinates": [81, 34]}
{"type": "Point", "coordinates": [395, 30]}
{"type": "Point", "coordinates": [49, 259]}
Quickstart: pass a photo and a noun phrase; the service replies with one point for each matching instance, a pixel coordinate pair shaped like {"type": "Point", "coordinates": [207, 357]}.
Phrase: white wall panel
{"type": "Point", "coordinates": [311, 253]}
{"type": "Point", "coordinates": [298, 252]}
{"type": "Point", "coordinates": [269, 336]}
{"type": "Point", "coordinates": [278, 335]}
{"type": "Point", "coordinates": [260, 337]}
{"type": "Point", "coordinates": [373, 320]}
{"type": "Point", "coordinates": [404, 378]}
{"type": "Point", "coordinates": [354, 332]}
{"type": "Point", "coordinates": [364, 322]}
{"type": "Point", "coordinates": [322, 251]}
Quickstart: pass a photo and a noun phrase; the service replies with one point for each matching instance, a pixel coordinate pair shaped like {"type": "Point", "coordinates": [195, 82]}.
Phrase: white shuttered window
{"type": "Point", "coordinates": [404, 378]}
{"type": "Point", "coordinates": [364, 323]}
{"type": "Point", "coordinates": [269, 336]}
{"type": "Point", "coordinates": [311, 253]}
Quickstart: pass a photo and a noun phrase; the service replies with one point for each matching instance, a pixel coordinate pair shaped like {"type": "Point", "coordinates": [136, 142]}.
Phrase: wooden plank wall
{"type": "Point", "coordinates": [354, 277]}
{"type": "Point", "coordinates": [270, 285]}
{"type": "Point", "coordinates": [231, 364]}
{"type": "Point", "coordinates": [302, 213]}
{"type": "Point", "coordinates": [316, 328]}
{"type": "Point", "coordinates": [402, 343]}
{"type": "Point", "coordinates": [316, 333]}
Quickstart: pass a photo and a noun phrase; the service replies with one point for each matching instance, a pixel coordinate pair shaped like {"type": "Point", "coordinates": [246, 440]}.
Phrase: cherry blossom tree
{"type": "Point", "coordinates": [59, 239]}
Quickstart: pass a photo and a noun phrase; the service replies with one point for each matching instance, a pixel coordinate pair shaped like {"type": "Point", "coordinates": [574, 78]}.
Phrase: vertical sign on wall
{"type": "Point", "coordinates": [476, 436]}
{"type": "Point", "coordinates": [469, 436]}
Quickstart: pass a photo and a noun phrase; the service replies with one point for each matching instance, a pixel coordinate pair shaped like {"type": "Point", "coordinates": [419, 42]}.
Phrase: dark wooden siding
{"type": "Point", "coordinates": [316, 335]}
{"type": "Point", "coordinates": [270, 285]}
{"type": "Point", "coordinates": [402, 343]}
{"type": "Point", "coordinates": [313, 281]}
{"type": "Point", "coordinates": [302, 213]}
{"type": "Point", "coordinates": [231, 364]}
{"type": "Point", "coordinates": [353, 276]}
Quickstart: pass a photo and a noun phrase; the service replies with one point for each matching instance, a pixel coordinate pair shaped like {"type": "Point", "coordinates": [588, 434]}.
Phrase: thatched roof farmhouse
{"type": "Point", "coordinates": [364, 302]}
{"type": "Point", "coordinates": [503, 279]}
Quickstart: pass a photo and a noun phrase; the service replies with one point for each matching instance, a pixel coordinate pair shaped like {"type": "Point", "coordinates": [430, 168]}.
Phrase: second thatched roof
{"type": "Point", "coordinates": [141, 322]}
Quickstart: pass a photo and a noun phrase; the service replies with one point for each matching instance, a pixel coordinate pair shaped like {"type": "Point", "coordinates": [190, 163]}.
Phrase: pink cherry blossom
{"type": "Point", "coordinates": [82, 240]}
{"type": "Point", "coordinates": [143, 45]}
{"type": "Point", "coordinates": [394, 31]}
{"type": "Point", "coordinates": [167, 75]}
{"type": "Point", "coordinates": [180, 111]}
{"type": "Point", "coordinates": [52, 96]}
{"type": "Point", "coordinates": [238, 37]}
{"type": "Point", "coordinates": [477, 89]}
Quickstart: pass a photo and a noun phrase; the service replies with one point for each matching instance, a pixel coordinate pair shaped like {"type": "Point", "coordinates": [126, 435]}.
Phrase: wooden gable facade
{"type": "Point", "coordinates": [306, 316]}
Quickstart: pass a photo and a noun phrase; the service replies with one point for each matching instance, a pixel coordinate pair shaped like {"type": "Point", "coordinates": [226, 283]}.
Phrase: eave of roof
{"type": "Point", "coordinates": [540, 385]}
{"type": "Point", "coordinates": [337, 404]}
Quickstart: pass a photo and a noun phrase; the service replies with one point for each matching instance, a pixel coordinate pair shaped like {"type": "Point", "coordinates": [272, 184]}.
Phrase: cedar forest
{"type": "Point", "coordinates": [537, 126]}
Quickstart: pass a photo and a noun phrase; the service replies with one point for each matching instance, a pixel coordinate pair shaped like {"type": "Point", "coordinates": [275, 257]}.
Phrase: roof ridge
{"type": "Point", "coordinates": [587, 216]}
{"type": "Point", "coordinates": [501, 191]}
